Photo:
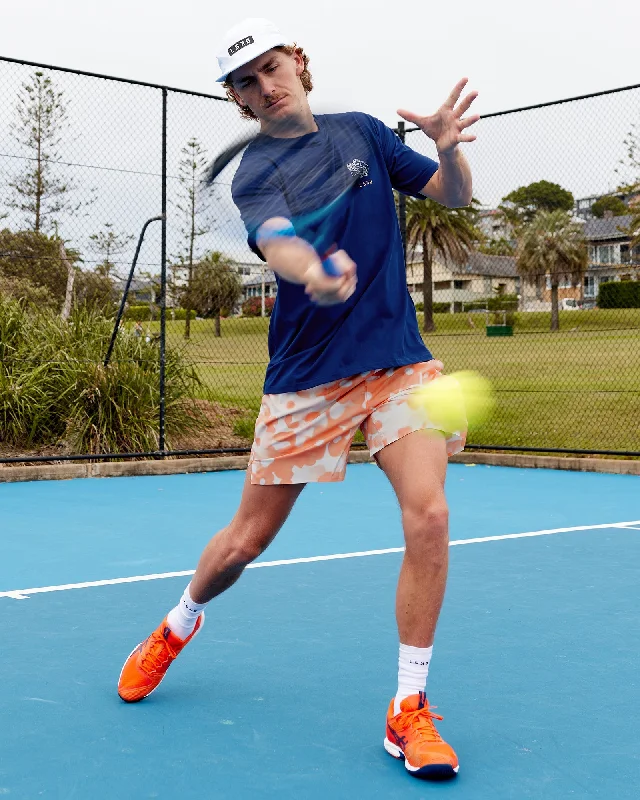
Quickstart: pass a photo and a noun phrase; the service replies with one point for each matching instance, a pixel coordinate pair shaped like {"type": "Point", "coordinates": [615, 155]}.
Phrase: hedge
{"type": "Point", "coordinates": [438, 308]}
{"type": "Point", "coordinates": [622, 294]}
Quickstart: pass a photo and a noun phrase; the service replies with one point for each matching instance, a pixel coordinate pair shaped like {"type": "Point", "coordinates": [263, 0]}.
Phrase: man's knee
{"type": "Point", "coordinates": [426, 525]}
{"type": "Point", "coordinates": [251, 540]}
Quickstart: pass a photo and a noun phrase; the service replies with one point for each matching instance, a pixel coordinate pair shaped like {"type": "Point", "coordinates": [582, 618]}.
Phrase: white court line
{"type": "Point", "coordinates": [23, 594]}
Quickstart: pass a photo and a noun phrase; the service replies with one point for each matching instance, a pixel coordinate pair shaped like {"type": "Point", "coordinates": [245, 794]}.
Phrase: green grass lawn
{"type": "Point", "coordinates": [579, 388]}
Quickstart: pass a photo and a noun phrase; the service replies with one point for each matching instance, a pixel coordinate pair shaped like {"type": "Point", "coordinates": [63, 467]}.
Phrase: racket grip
{"type": "Point", "coordinates": [330, 268]}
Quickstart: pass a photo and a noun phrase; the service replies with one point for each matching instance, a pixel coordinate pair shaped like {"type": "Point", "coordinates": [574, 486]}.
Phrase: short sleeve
{"type": "Point", "coordinates": [258, 195]}
{"type": "Point", "coordinates": [409, 171]}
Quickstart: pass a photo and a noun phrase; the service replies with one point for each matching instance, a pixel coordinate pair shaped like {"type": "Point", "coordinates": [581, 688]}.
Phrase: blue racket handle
{"type": "Point", "coordinates": [330, 268]}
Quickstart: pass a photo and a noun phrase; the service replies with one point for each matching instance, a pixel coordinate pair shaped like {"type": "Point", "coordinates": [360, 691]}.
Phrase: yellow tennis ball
{"type": "Point", "coordinates": [454, 402]}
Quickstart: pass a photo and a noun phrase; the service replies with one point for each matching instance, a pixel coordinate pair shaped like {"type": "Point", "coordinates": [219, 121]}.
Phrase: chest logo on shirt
{"type": "Point", "coordinates": [359, 169]}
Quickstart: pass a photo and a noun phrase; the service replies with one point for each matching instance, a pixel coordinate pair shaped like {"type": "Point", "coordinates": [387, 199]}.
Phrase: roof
{"type": "Point", "coordinates": [137, 284]}
{"type": "Point", "coordinates": [256, 279]}
{"type": "Point", "coordinates": [606, 228]}
{"type": "Point", "coordinates": [484, 264]}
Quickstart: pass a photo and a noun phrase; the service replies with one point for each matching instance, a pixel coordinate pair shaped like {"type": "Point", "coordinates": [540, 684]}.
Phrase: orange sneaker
{"type": "Point", "coordinates": [412, 735]}
{"type": "Point", "coordinates": [148, 663]}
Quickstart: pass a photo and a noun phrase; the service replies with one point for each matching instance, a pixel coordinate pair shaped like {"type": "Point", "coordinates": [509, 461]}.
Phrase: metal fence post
{"type": "Point", "coordinates": [163, 276]}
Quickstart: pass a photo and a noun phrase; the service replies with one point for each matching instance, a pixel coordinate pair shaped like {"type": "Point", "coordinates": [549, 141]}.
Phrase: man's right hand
{"type": "Point", "coordinates": [326, 290]}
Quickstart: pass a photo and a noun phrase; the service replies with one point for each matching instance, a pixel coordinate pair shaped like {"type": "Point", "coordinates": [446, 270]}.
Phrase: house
{"type": "Point", "coordinates": [141, 291]}
{"type": "Point", "coordinates": [611, 256]}
{"type": "Point", "coordinates": [583, 205]}
{"type": "Point", "coordinates": [481, 277]}
{"type": "Point", "coordinates": [258, 279]}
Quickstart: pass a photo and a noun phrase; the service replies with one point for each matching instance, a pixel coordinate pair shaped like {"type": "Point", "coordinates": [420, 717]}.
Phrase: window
{"type": "Point", "coordinates": [605, 254]}
{"type": "Point", "coordinates": [563, 283]}
{"type": "Point", "coordinates": [461, 284]}
{"type": "Point", "coordinates": [606, 278]}
{"type": "Point", "coordinates": [589, 286]}
{"type": "Point", "coordinates": [443, 284]}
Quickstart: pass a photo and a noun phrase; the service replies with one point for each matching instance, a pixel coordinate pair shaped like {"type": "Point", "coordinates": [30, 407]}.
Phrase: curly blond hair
{"type": "Point", "coordinates": [305, 79]}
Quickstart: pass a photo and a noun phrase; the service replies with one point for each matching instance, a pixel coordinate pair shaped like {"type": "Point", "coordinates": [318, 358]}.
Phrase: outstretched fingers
{"type": "Point", "coordinates": [465, 105]}
{"type": "Point", "coordinates": [453, 98]}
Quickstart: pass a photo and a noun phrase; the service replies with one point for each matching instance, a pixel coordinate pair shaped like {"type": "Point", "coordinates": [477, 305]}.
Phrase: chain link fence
{"type": "Point", "coordinates": [87, 161]}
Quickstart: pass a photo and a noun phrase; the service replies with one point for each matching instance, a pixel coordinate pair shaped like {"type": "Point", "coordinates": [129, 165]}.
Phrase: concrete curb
{"type": "Point", "coordinates": [174, 466]}
{"type": "Point", "coordinates": [610, 465]}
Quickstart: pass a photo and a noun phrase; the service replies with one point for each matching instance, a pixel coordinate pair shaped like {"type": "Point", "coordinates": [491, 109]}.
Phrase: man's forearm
{"type": "Point", "coordinates": [288, 256]}
{"type": "Point", "coordinates": [455, 179]}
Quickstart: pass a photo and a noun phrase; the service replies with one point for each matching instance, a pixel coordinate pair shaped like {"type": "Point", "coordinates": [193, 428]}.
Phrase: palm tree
{"type": "Point", "coordinates": [552, 245]}
{"type": "Point", "coordinates": [446, 232]}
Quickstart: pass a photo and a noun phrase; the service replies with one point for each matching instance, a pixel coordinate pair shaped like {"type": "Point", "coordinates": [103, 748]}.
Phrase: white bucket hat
{"type": "Point", "coordinates": [246, 41]}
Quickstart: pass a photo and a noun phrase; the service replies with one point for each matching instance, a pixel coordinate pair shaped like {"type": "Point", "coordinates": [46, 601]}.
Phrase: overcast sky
{"type": "Point", "coordinates": [371, 55]}
{"type": "Point", "coordinates": [362, 57]}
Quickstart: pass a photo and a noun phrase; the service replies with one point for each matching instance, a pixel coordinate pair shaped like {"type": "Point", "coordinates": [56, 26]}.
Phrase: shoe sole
{"type": "Point", "coordinates": [137, 700]}
{"type": "Point", "coordinates": [437, 771]}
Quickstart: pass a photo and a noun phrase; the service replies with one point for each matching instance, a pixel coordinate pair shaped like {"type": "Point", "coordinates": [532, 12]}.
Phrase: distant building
{"type": "Point", "coordinates": [141, 291]}
{"type": "Point", "coordinates": [492, 223]}
{"type": "Point", "coordinates": [583, 205]}
{"type": "Point", "coordinates": [611, 258]}
{"type": "Point", "coordinates": [253, 280]}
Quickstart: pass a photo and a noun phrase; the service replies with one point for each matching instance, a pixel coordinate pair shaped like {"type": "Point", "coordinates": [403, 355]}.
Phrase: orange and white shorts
{"type": "Point", "coordinates": [304, 436]}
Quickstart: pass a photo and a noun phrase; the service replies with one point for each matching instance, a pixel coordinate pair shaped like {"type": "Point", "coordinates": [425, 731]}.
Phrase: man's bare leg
{"type": "Point", "coordinates": [262, 512]}
{"type": "Point", "coordinates": [416, 466]}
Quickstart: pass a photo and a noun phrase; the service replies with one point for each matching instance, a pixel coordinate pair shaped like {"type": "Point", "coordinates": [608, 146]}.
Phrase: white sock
{"type": "Point", "coordinates": [182, 618]}
{"type": "Point", "coordinates": [413, 668]}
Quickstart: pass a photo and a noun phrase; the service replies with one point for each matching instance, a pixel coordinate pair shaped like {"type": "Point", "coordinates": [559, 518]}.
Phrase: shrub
{"type": "Point", "coordinates": [143, 313]}
{"type": "Point", "coordinates": [55, 391]}
{"type": "Point", "coordinates": [245, 427]}
{"type": "Point", "coordinates": [253, 306]}
{"type": "Point", "coordinates": [438, 308]}
{"type": "Point", "coordinates": [622, 294]}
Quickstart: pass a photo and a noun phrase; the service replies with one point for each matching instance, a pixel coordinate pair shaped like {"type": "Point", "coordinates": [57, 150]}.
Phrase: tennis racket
{"type": "Point", "coordinates": [328, 182]}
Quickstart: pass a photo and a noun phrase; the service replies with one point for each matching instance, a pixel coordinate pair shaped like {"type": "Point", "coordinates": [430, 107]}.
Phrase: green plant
{"type": "Point", "coordinates": [55, 391]}
{"type": "Point", "coordinates": [622, 294]}
{"type": "Point", "coordinates": [552, 245]}
{"type": "Point", "coordinates": [609, 203]}
{"type": "Point", "coordinates": [449, 233]}
{"type": "Point", "coordinates": [244, 427]}
{"type": "Point", "coordinates": [253, 306]}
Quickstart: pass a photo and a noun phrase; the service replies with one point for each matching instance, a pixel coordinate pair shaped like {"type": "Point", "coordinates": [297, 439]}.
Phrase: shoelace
{"type": "Point", "coordinates": [421, 722]}
{"type": "Point", "coordinates": [156, 654]}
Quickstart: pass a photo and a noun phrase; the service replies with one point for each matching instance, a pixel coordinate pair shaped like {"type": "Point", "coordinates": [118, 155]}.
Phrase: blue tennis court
{"type": "Point", "coordinates": [285, 692]}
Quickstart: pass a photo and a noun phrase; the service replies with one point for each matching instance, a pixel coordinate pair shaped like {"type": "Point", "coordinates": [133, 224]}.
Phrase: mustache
{"type": "Point", "coordinates": [272, 100]}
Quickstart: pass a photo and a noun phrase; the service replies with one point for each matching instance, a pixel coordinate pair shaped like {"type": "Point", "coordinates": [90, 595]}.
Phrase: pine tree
{"type": "Point", "coordinates": [42, 120]}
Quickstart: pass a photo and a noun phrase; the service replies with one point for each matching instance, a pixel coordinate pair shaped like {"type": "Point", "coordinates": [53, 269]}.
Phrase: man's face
{"type": "Point", "coordinates": [270, 85]}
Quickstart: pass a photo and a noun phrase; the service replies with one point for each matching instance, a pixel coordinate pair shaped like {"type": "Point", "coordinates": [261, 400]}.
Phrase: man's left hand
{"type": "Point", "coordinates": [446, 127]}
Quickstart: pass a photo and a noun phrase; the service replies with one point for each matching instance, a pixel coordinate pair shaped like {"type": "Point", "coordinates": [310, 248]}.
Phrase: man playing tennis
{"type": "Point", "coordinates": [346, 353]}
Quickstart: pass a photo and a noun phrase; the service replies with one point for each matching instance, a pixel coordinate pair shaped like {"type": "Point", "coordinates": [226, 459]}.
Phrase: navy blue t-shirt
{"type": "Point", "coordinates": [377, 327]}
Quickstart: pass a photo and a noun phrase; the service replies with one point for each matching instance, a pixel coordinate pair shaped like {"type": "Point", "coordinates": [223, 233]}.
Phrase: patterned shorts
{"type": "Point", "coordinates": [304, 437]}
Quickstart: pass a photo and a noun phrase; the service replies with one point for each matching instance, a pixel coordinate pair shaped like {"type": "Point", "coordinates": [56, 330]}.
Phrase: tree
{"type": "Point", "coordinates": [215, 285]}
{"type": "Point", "coordinates": [440, 231]}
{"type": "Point", "coordinates": [609, 203]}
{"type": "Point", "coordinates": [630, 173]}
{"type": "Point", "coordinates": [629, 169]}
{"type": "Point", "coordinates": [42, 119]}
{"type": "Point", "coordinates": [35, 257]}
{"type": "Point", "coordinates": [107, 243]}
{"type": "Point", "coordinates": [552, 246]}
{"type": "Point", "coordinates": [520, 206]}
{"type": "Point", "coordinates": [189, 175]}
